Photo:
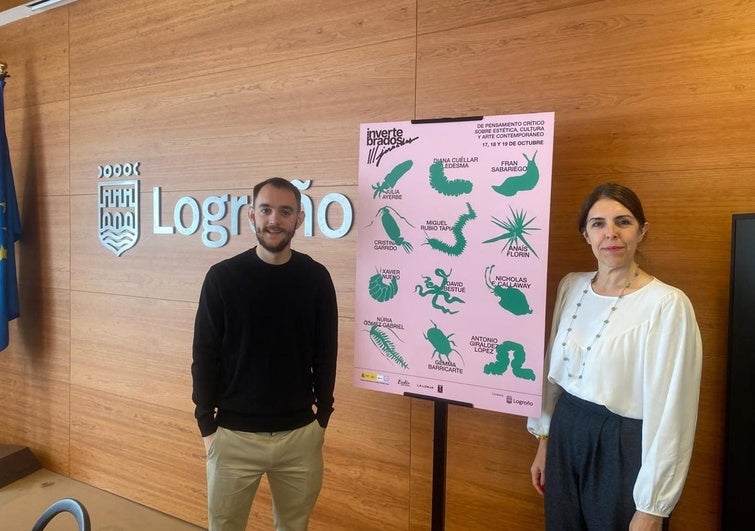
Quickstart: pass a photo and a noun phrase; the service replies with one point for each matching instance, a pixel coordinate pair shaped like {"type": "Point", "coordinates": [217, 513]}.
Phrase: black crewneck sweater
{"type": "Point", "coordinates": [265, 345]}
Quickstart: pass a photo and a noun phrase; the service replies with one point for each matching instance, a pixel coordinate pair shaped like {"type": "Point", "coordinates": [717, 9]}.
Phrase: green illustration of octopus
{"type": "Point", "coordinates": [503, 356]}
{"type": "Point", "coordinates": [438, 290]}
{"type": "Point", "coordinates": [520, 183]}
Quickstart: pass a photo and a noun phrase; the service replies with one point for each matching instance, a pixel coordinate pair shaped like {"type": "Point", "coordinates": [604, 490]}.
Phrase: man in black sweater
{"type": "Point", "coordinates": [264, 368]}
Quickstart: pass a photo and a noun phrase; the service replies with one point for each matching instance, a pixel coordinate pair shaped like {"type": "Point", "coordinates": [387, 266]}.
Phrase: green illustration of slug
{"type": "Point", "coordinates": [440, 183]}
{"type": "Point", "coordinates": [503, 354]}
{"type": "Point", "coordinates": [391, 228]}
{"type": "Point", "coordinates": [509, 298]}
{"type": "Point", "coordinates": [391, 178]}
{"type": "Point", "coordinates": [516, 229]}
{"type": "Point", "coordinates": [386, 347]}
{"type": "Point", "coordinates": [520, 183]}
{"type": "Point", "coordinates": [461, 241]}
{"type": "Point", "coordinates": [438, 290]}
{"type": "Point", "coordinates": [441, 342]}
{"type": "Point", "coordinates": [379, 290]}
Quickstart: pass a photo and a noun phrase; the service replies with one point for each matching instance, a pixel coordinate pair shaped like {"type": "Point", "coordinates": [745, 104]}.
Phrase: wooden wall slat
{"type": "Point", "coordinates": [442, 15]}
{"type": "Point", "coordinates": [36, 50]}
{"type": "Point", "coordinates": [38, 143]}
{"type": "Point", "coordinates": [617, 109]}
{"type": "Point", "coordinates": [174, 39]}
{"type": "Point", "coordinates": [44, 254]}
{"type": "Point", "coordinates": [139, 450]}
{"type": "Point", "coordinates": [298, 119]}
{"type": "Point", "coordinates": [135, 348]}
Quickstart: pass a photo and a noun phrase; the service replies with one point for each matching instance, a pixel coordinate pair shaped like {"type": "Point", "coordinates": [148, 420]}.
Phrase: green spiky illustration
{"type": "Point", "coordinates": [516, 229]}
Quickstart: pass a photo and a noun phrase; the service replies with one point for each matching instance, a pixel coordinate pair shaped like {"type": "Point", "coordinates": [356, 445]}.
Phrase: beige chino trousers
{"type": "Point", "coordinates": [236, 462]}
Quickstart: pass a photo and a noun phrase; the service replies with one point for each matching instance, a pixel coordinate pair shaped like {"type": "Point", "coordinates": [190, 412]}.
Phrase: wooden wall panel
{"type": "Point", "coordinates": [34, 375]}
{"type": "Point", "coordinates": [38, 143]}
{"type": "Point", "coordinates": [36, 50]}
{"type": "Point", "coordinates": [43, 254]}
{"type": "Point", "coordinates": [634, 88]}
{"type": "Point", "coordinates": [442, 15]}
{"type": "Point", "coordinates": [139, 450]}
{"type": "Point", "coordinates": [119, 45]}
{"type": "Point", "coordinates": [298, 119]}
{"type": "Point", "coordinates": [133, 347]}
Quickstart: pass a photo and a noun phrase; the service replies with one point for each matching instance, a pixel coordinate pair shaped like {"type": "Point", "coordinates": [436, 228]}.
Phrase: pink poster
{"type": "Point", "coordinates": [452, 224]}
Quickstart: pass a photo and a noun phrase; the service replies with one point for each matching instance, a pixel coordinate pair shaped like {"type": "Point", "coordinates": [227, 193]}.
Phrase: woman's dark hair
{"type": "Point", "coordinates": [617, 192]}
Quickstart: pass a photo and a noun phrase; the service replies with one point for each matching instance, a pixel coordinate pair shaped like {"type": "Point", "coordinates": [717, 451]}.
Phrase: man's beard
{"type": "Point", "coordinates": [274, 248]}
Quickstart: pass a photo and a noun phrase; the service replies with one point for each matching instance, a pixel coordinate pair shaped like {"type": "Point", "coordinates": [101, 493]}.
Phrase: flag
{"type": "Point", "coordinates": [10, 225]}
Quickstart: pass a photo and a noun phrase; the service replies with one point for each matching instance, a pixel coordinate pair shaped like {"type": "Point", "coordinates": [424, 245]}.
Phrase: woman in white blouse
{"type": "Point", "coordinates": [621, 396]}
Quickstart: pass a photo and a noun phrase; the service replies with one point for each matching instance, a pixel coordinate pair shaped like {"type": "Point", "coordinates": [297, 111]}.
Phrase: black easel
{"type": "Point", "coordinates": [440, 440]}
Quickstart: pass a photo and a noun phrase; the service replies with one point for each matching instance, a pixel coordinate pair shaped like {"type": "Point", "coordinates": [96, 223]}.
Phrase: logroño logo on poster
{"type": "Point", "coordinates": [118, 211]}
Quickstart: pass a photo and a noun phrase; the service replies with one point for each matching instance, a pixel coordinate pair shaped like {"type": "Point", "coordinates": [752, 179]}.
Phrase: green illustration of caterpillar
{"type": "Point", "coordinates": [440, 183]}
{"type": "Point", "coordinates": [460, 240]}
{"type": "Point", "coordinates": [502, 358]}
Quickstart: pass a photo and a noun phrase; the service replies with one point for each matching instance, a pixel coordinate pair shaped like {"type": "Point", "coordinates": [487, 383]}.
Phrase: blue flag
{"type": "Point", "coordinates": [10, 225]}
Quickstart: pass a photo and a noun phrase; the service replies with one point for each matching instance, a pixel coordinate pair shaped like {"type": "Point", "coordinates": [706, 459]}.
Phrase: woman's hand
{"type": "Point", "coordinates": [645, 522]}
{"type": "Point", "coordinates": [537, 470]}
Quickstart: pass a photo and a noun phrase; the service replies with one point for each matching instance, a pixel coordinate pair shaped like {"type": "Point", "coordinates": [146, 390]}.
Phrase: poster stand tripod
{"type": "Point", "coordinates": [440, 440]}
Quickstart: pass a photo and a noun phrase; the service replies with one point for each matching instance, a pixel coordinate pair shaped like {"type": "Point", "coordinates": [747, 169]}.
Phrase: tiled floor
{"type": "Point", "coordinates": [23, 501]}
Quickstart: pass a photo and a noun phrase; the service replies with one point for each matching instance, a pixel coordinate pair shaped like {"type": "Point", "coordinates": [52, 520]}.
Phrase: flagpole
{"type": "Point", "coordinates": [4, 70]}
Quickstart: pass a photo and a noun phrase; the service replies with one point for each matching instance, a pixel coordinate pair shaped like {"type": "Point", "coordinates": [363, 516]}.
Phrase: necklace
{"type": "Point", "coordinates": [602, 326]}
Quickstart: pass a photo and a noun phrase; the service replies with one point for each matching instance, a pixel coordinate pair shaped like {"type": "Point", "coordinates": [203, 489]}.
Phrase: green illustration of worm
{"type": "Point", "coordinates": [386, 347]}
{"type": "Point", "coordinates": [438, 290]}
{"type": "Point", "coordinates": [509, 298]}
{"type": "Point", "coordinates": [391, 228]}
{"type": "Point", "coordinates": [441, 342]}
{"type": "Point", "coordinates": [520, 183]}
{"type": "Point", "coordinates": [516, 229]}
{"type": "Point", "coordinates": [379, 290]}
{"type": "Point", "coordinates": [440, 183]}
{"type": "Point", "coordinates": [503, 354]}
{"type": "Point", "coordinates": [461, 241]}
{"type": "Point", "coordinates": [391, 178]}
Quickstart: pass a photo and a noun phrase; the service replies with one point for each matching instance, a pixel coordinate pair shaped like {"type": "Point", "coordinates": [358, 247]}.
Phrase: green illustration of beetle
{"type": "Point", "coordinates": [441, 342]}
{"type": "Point", "coordinates": [520, 183]}
{"type": "Point", "coordinates": [509, 298]}
{"type": "Point", "coordinates": [502, 359]}
{"type": "Point", "coordinates": [391, 228]}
